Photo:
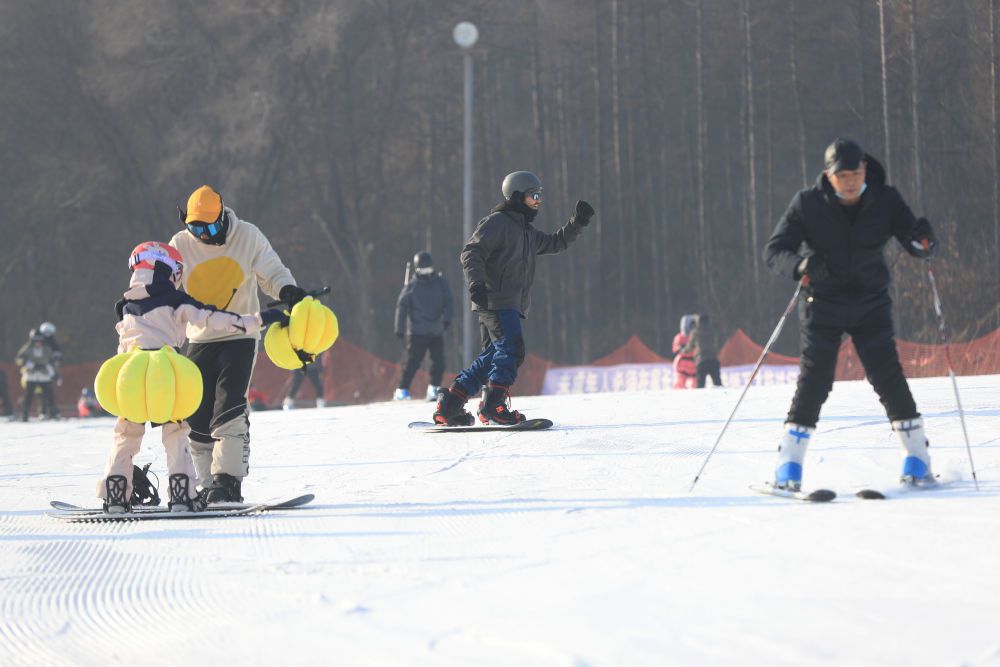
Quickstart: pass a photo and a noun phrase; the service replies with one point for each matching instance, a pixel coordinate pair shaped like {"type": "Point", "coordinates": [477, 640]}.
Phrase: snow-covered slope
{"type": "Point", "coordinates": [576, 546]}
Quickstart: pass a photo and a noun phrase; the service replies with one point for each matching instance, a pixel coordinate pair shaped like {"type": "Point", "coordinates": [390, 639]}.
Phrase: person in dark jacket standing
{"type": "Point", "coordinates": [423, 314]}
{"type": "Point", "coordinates": [704, 345]}
{"type": "Point", "coordinates": [833, 237]}
{"type": "Point", "coordinates": [499, 265]}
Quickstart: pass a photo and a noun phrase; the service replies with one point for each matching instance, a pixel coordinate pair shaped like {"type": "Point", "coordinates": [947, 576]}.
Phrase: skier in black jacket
{"type": "Point", "coordinates": [423, 314]}
{"type": "Point", "coordinates": [833, 235]}
{"type": "Point", "coordinates": [499, 264]}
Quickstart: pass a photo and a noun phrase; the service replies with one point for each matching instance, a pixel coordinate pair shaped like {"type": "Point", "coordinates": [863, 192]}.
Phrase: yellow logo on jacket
{"type": "Point", "coordinates": [214, 282]}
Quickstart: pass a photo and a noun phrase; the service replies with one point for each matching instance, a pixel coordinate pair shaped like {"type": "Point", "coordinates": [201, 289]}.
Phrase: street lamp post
{"type": "Point", "coordinates": [466, 35]}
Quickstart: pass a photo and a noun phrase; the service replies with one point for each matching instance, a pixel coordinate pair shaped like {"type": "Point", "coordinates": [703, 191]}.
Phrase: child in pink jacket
{"type": "Point", "coordinates": [154, 313]}
{"type": "Point", "coordinates": [684, 364]}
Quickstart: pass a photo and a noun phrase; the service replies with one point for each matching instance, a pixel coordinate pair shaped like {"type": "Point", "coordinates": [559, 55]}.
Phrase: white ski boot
{"type": "Point", "coordinates": [791, 453]}
{"type": "Point", "coordinates": [917, 464]}
{"type": "Point", "coordinates": [432, 392]}
{"type": "Point", "coordinates": [401, 395]}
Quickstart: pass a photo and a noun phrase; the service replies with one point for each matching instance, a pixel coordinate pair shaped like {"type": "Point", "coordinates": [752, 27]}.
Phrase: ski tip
{"type": "Point", "coordinates": [870, 494]}
{"type": "Point", "coordinates": [821, 496]}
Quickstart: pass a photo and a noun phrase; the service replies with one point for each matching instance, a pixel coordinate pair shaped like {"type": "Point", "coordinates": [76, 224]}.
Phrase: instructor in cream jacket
{"type": "Point", "coordinates": [225, 260]}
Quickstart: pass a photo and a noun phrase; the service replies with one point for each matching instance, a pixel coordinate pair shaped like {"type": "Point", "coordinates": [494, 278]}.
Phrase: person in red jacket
{"type": "Point", "coordinates": [684, 364]}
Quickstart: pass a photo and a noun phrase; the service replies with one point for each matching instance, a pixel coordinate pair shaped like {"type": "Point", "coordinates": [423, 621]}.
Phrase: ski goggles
{"type": "Point", "coordinates": [202, 229]}
{"type": "Point", "coordinates": [536, 195]}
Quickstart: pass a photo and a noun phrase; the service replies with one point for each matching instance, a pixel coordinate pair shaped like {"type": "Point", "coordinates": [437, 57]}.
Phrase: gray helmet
{"type": "Point", "coordinates": [520, 181]}
{"type": "Point", "coordinates": [423, 264]}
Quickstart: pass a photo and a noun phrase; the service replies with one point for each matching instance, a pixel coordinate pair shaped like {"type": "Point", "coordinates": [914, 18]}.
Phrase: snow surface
{"type": "Point", "coordinates": [576, 546]}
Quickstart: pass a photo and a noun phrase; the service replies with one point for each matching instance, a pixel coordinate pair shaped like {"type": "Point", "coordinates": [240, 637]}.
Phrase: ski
{"type": "Point", "coordinates": [815, 496]}
{"type": "Point", "coordinates": [529, 425]}
{"type": "Point", "coordinates": [69, 512]}
{"type": "Point", "coordinates": [902, 489]}
{"type": "Point", "coordinates": [870, 494]}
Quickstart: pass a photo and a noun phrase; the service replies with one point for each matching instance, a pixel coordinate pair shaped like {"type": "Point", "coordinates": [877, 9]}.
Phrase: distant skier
{"type": "Point", "coordinates": [499, 264]}
{"type": "Point", "coordinates": [154, 313]}
{"type": "Point", "coordinates": [88, 406]}
{"type": "Point", "coordinates": [423, 314]}
{"type": "Point", "coordinates": [703, 343]}
{"type": "Point", "coordinates": [834, 234]}
{"type": "Point", "coordinates": [313, 372]}
{"type": "Point", "coordinates": [6, 409]}
{"type": "Point", "coordinates": [227, 260]}
{"type": "Point", "coordinates": [684, 365]}
{"type": "Point", "coordinates": [38, 375]}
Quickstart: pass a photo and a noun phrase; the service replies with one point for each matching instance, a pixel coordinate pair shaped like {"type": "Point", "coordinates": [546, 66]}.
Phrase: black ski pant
{"type": "Point", "coordinates": [416, 347]}
{"type": "Point", "coordinates": [313, 373]}
{"type": "Point", "coordinates": [5, 405]}
{"type": "Point", "coordinates": [225, 368]}
{"type": "Point", "coordinates": [47, 399]}
{"type": "Point", "coordinates": [868, 321]}
{"type": "Point", "coordinates": [708, 368]}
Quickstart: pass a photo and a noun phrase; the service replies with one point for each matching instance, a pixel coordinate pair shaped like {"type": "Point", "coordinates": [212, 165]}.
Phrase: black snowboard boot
{"type": "Point", "coordinates": [223, 489]}
{"type": "Point", "coordinates": [495, 407]}
{"type": "Point", "coordinates": [180, 495]}
{"type": "Point", "coordinates": [116, 502]}
{"type": "Point", "coordinates": [450, 410]}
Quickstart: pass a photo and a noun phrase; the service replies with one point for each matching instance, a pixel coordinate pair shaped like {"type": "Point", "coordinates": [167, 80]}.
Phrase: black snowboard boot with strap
{"type": "Point", "coordinates": [450, 409]}
{"type": "Point", "coordinates": [495, 407]}
{"type": "Point", "coordinates": [223, 489]}
{"type": "Point", "coordinates": [116, 502]}
{"type": "Point", "coordinates": [180, 495]}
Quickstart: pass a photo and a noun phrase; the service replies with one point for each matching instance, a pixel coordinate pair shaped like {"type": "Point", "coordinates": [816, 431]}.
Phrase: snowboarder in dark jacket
{"type": "Point", "coordinates": [833, 236]}
{"type": "Point", "coordinates": [499, 265]}
{"type": "Point", "coordinates": [423, 314]}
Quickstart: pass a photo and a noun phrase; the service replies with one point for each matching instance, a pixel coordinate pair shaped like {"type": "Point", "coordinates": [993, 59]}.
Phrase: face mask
{"type": "Point", "coordinates": [864, 186]}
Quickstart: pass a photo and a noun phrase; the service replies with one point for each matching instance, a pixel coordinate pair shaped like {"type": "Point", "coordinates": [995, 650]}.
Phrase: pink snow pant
{"type": "Point", "coordinates": [128, 439]}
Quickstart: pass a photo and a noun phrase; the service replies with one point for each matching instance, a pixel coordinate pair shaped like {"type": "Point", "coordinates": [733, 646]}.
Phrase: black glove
{"type": "Point", "coordinates": [273, 315]}
{"type": "Point", "coordinates": [814, 267]}
{"type": "Point", "coordinates": [479, 295]}
{"type": "Point", "coordinates": [923, 243]}
{"type": "Point", "coordinates": [291, 294]}
{"type": "Point", "coordinates": [584, 212]}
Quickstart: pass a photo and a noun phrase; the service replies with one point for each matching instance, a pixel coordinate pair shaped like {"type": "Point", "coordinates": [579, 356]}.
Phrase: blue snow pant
{"type": "Point", "coordinates": [503, 351]}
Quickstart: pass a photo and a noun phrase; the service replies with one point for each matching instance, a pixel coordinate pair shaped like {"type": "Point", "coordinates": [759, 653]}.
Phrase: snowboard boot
{"type": "Point", "coordinates": [450, 409]}
{"type": "Point", "coordinates": [223, 489]}
{"type": "Point", "coordinates": [116, 501]}
{"type": "Point", "coordinates": [917, 464]}
{"type": "Point", "coordinates": [791, 453]}
{"type": "Point", "coordinates": [180, 495]}
{"type": "Point", "coordinates": [495, 407]}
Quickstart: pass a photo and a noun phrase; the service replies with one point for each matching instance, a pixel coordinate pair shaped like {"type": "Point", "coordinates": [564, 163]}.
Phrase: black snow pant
{"type": "Point", "coordinates": [47, 399]}
{"type": "Point", "coordinates": [225, 368]}
{"type": "Point", "coordinates": [708, 368]}
{"type": "Point", "coordinates": [416, 347]}
{"type": "Point", "coordinates": [5, 406]}
{"type": "Point", "coordinates": [868, 321]}
{"type": "Point", "coordinates": [313, 372]}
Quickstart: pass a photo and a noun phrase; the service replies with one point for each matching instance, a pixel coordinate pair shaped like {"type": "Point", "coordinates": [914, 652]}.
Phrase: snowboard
{"type": "Point", "coordinates": [529, 425]}
{"type": "Point", "coordinates": [73, 513]}
{"type": "Point", "coordinates": [815, 496]}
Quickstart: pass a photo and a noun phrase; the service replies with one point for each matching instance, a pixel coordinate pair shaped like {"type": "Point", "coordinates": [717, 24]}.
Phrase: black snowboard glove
{"type": "Point", "coordinates": [291, 294]}
{"type": "Point", "coordinates": [814, 267]}
{"type": "Point", "coordinates": [923, 243]}
{"type": "Point", "coordinates": [273, 315]}
{"type": "Point", "coordinates": [584, 212]}
{"type": "Point", "coordinates": [479, 295]}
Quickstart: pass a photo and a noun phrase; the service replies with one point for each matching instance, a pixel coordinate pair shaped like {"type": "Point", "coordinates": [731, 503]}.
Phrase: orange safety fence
{"type": "Point", "coordinates": [352, 375]}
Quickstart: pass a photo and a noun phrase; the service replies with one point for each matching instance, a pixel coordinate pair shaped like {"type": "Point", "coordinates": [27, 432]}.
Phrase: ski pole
{"type": "Point", "coordinates": [753, 374]}
{"type": "Point", "coordinates": [951, 370]}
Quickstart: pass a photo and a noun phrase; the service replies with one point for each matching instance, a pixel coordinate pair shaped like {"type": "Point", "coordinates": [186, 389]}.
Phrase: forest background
{"type": "Point", "coordinates": [337, 128]}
